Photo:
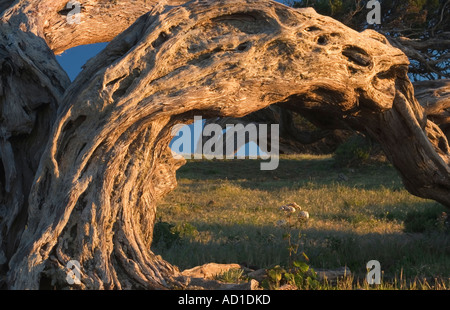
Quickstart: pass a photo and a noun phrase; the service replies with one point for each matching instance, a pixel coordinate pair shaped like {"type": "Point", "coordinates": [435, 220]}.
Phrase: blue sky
{"type": "Point", "coordinates": [73, 59]}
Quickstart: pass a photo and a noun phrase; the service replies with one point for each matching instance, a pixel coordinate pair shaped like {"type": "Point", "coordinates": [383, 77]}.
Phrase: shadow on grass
{"type": "Point", "coordinates": [413, 255]}
{"type": "Point", "coordinates": [292, 173]}
{"type": "Point", "coordinates": [420, 251]}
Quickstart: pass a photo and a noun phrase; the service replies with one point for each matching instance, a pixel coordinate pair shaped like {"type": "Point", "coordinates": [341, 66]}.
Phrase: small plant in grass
{"type": "Point", "coordinates": [164, 235]}
{"type": "Point", "coordinates": [353, 152]}
{"type": "Point", "coordinates": [185, 230]}
{"type": "Point", "coordinates": [298, 273]}
{"type": "Point", "coordinates": [167, 234]}
{"type": "Point", "coordinates": [235, 275]}
{"type": "Point", "coordinates": [433, 219]}
{"type": "Point", "coordinates": [443, 222]}
{"type": "Point", "coordinates": [290, 224]}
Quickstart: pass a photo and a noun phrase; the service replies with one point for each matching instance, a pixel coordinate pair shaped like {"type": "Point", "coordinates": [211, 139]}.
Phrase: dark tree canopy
{"type": "Point", "coordinates": [421, 28]}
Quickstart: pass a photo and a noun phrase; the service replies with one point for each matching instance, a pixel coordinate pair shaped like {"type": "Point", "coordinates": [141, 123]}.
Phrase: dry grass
{"type": "Point", "coordinates": [358, 214]}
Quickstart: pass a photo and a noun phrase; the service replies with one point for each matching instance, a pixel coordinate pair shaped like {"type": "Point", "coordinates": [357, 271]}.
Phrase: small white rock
{"type": "Point", "coordinates": [303, 215]}
{"type": "Point", "coordinates": [292, 207]}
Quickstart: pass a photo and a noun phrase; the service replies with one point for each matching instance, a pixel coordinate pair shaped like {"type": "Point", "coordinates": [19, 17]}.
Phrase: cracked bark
{"type": "Point", "coordinates": [85, 163]}
{"type": "Point", "coordinates": [434, 96]}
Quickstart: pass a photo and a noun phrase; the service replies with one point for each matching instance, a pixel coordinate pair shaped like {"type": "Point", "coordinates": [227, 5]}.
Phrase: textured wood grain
{"type": "Point", "coordinates": [434, 96]}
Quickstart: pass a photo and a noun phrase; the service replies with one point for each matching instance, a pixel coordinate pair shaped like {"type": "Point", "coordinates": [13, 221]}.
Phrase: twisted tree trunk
{"type": "Point", "coordinates": [84, 164]}
{"type": "Point", "coordinates": [434, 96]}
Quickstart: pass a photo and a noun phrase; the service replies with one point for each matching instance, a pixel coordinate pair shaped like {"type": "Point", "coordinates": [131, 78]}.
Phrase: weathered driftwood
{"type": "Point", "coordinates": [84, 164]}
{"type": "Point", "coordinates": [434, 96]}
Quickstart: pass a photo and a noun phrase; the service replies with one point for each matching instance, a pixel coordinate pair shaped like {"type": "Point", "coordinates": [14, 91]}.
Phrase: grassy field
{"type": "Point", "coordinates": [228, 212]}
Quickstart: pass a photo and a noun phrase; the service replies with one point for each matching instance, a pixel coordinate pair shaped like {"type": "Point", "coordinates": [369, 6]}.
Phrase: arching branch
{"type": "Point", "coordinates": [100, 20]}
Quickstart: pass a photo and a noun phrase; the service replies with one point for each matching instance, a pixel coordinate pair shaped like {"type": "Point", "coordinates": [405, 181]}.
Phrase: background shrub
{"type": "Point", "coordinates": [354, 151]}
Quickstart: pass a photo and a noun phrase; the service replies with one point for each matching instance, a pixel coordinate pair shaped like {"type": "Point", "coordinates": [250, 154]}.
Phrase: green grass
{"type": "Point", "coordinates": [230, 209]}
